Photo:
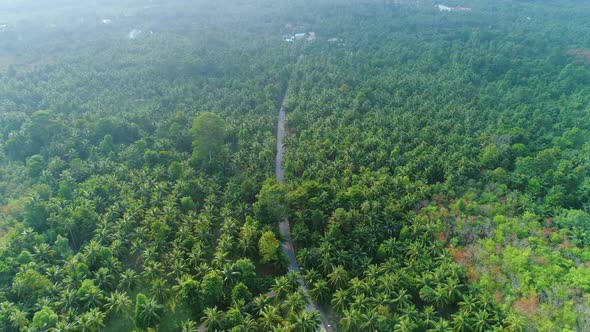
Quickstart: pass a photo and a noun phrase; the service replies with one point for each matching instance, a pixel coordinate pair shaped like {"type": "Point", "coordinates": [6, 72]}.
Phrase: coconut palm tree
{"type": "Point", "coordinates": [514, 322]}
{"type": "Point", "coordinates": [260, 301]}
{"type": "Point", "coordinates": [104, 279]}
{"type": "Point", "coordinates": [92, 320]}
{"type": "Point", "coordinates": [338, 278]}
{"type": "Point", "coordinates": [92, 297]}
{"type": "Point", "coordinates": [442, 325]}
{"type": "Point", "coordinates": [339, 300]}
{"type": "Point", "coordinates": [459, 321]}
{"type": "Point", "coordinates": [213, 319]}
{"type": "Point", "coordinates": [305, 321]}
{"type": "Point", "coordinates": [18, 319]}
{"type": "Point", "coordinates": [150, 313]}
{"type": "Point", "coordinates": [480, 321]}
{"type": "Point", "coordinates": [269, 318]}
{"type": "Point", "coordinates": [428, 316]}
{"type": "Point", "coordinates": [67, 299]}
{"type": "Point", "coordinates": [320, 291]}
{"type": "Point", "coordinates": [351, 320]}
{"type": "Point", "coordinates": [248, 324]}
{"type": "Point", "coordinates": [127, 280]}
{"type": "Point", "coordinates": [118, 303]}
{"type": "Point", "coordinates": [469, 303]}
{"type": "Point", "coordinates": [160, 290]}
{"type": "Point", "coordinates": [402, 299]}
{"type": "Point", "coordinates": [281, 287]}
{"type": "Point", "coordinates": [357, 286]}
{"type": "Point", "coordinates": [369, 320]}
{"type": "Point", "coordinates": [294, 302]}
{"type": "Point", "coordinates": [189, 326]}
{"type": "Point", "coordinates": [405, 324]}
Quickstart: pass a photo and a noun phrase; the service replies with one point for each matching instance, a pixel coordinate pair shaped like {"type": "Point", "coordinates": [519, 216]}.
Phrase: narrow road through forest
{"type": "Point", "coordinates": [284, 227]}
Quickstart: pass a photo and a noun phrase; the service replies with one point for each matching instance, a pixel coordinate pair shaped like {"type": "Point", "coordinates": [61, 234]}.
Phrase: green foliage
{"type": "Point", "coordinates": [271, 203]}
{"type": "Point", "coordinates": [240, 292]}
{"type": "Point", "coordinates": [44, 319]}
{"type": "Point", "coordinates": [212, 288]}
{"type": "Point", "coordinates": [268, 247]}
{"type": "Point", "coordinates": [29, 285]}
{"type": "Point", "coordinates": [437, 167]}
{"type": "Point", "coordinates": [578, 223]}
{"type": "Point", "coordinates": [208, 132]}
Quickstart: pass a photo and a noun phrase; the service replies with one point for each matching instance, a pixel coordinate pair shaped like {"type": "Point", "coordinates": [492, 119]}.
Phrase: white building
{"type": "Point", "coordinates": [134, 34]}
{"type": "Point", "coordinates": [444, 8]}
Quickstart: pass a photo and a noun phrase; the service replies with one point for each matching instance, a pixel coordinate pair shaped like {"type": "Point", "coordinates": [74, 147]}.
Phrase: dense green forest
{"type": "Point", "coordinates": [437, 165]}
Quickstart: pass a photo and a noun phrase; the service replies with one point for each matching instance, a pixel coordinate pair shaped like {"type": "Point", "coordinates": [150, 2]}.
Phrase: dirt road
{"type": "Point", "coordinates": [284, 227]}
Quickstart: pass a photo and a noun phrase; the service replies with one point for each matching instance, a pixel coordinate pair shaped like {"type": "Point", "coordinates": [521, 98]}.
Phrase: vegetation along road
{"type": "Point", "coordinates": [284, 227]}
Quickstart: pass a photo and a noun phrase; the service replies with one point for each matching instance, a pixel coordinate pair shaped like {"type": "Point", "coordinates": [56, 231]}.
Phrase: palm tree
{"type": "Point", "coordinates": [269, 318]}
{"type": "Point", "coordinates": [326, 265]}
{"type": "Point", "coordinates": [260, 301]}
{"type": "Point", "coordinates": [514, 322]}
{"type": "Point", "coordinates": [213, 319]}
{"type": "Point", "coordinates": [320, 291]}
{"type": "Point", "coordinates": [127, 280]}
{"type": "Point", "coordinates": [92, 320]}
{"type": "Point", "coordinates": [118, 303]}
{"type": "Point", "coordinates": [459, 321]}
{"type": "Point", "coordinates": [388, 283]}
{"type": "Point", "coordinates": [293, 278]}
{"type": "Point", "coordinates": [65, 327]}
{"type": "Point", "coordinates": [160, 290]}
{"type": "Point", "coordinates": [281, 287]}
{"type": "Point", "coordinates": [91, 252]}
{"type": "Point", "coordinates": [402, 299]}
{"type": "Point", "coordinates": [306, 321]}
{"type": "Point", "coordinates": [339, 300]}
{"type": "Point", "coordinates": [372, 272]}
{"type": "Point", "coordinates": [104, 279]}
{"type": "Point", "coordinates": [189, 326]}
{"type": "Point", "coordinates": [295, 302]}
{"type": "Point", "coordinates": [405, 324]}
{"type": "Point", "coordinates": [177, 268]}
{"type": "Point", "coordinates": [468, 304]}
{"type": "Point", "coordinates": [428, 316]}
{"type": "Point", "coordinates": [441, 296]}
{"type": "Point", "coordinates": [67, 299]}
{"type": "Point", "coordinates": [55, 273]}
{"type": "Point", "coordinates": [369, 320]}
{"type": "Point", "coordinates": [351, 320]}
{"type": "Point", "coordinates": [360, 302]}
{"type": "Point", "coordinates": [230, 275]}
{"type": "Point", "coordinates": [453, 289]}
{"type": "Point", "coordinates": [92, 297]}
{"type": "Point", "coordinates": [357, 286]}
{"type": "Point", "coordinates": [18, 319]}
{"type": "Point", "coordinates": [441, 325]}
{"type": "Point", "coordinates": [338, 278]}
{"type": "Point", "coordinates": [248, 324]}
{"type": "Point", "coordinates": [480, 321]}
{"type": "Point", "coordinates": [43, 253]}
{"type": "Point", "coordinates": [412, 313]}
{"type": "Point", "coordinates": [152, 270]}
{"type": "Point", "coordinates": [150, 312]}
{"type": "Point", "coordinates": [311, 276]}
{"type": "Point", "coordinates": [381, 299]}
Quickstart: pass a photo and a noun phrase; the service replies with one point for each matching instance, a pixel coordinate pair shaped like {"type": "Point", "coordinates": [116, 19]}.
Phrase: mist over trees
{"type": "Point", "coordinates": [437, 165]}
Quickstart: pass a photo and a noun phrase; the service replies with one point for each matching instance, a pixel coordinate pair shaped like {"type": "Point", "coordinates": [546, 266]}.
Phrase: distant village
{"type": "Point", "coordinates": [307, 36]}
{"type": "Point", "coordinates": [444, 8]}
{"type": "Point", "coordinates": [310, 36]}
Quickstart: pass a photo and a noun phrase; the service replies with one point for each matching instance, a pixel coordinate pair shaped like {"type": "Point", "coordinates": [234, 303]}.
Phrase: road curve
{"type": "Point", "coordinates": [284, 227]}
